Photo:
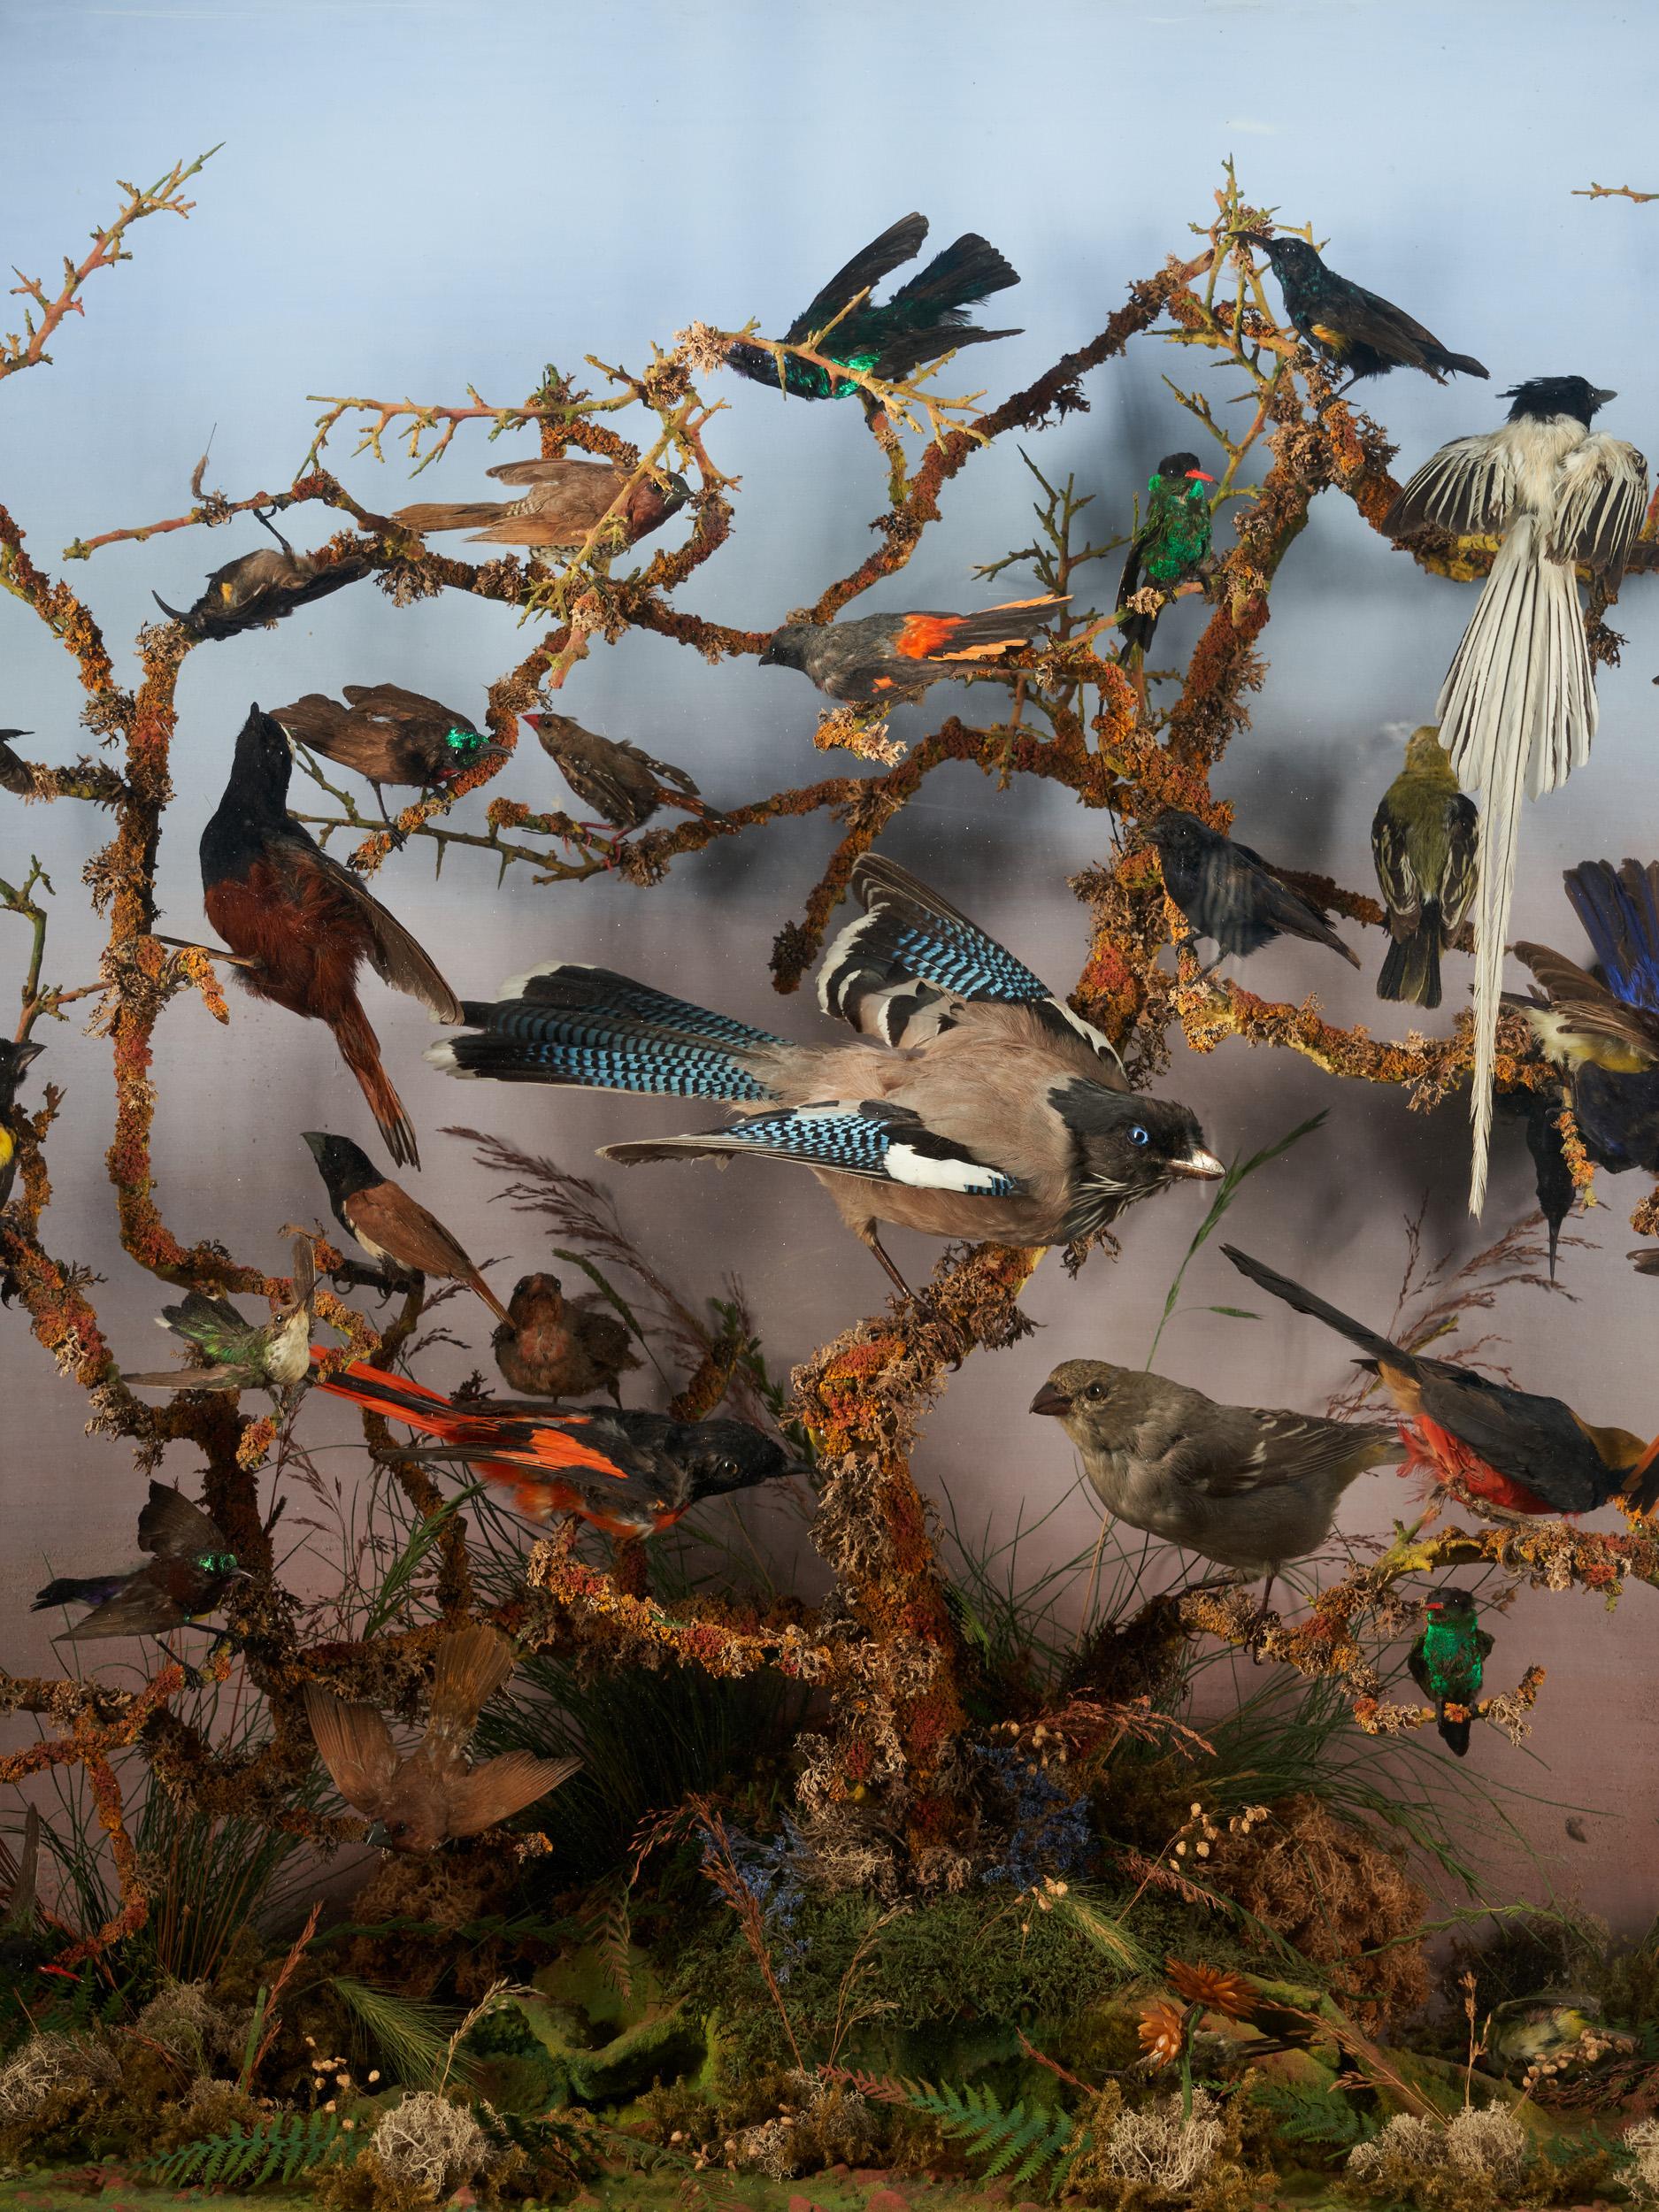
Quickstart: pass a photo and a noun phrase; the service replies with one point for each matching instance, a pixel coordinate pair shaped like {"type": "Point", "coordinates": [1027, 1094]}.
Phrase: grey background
{"type": "Point", "coordinates": [417, 196]}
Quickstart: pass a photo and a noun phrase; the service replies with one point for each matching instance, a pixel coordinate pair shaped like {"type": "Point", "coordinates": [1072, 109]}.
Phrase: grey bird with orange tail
{"type": "Point", "coordinates": [884, 659]}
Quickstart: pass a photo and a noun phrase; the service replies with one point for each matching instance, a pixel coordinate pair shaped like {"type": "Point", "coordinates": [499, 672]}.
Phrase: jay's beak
{"type": "Point", "coordinates": [1052, 1399]}
{"type": "Point", "coordinates": [1201, 1166]}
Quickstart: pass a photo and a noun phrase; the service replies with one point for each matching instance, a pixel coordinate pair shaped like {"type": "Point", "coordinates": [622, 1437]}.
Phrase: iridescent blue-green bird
{"type": "Point", "coordinates": [1448, 1660]}
{"type": "Point", "coordinates": [1172, 543]}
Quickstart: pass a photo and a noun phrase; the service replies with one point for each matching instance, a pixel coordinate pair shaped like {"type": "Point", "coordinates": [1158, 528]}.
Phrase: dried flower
{"type": "Point", "coordinates": [1212, 1987]}
{"type": "Point", "coordinates": [1161, 2030]}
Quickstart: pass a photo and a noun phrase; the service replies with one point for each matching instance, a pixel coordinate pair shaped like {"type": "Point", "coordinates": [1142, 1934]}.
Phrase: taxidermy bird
{"type": "Point", "coordinates": [231, 1353]}
{"type": "Point", "coordinates": [192, 1569]}
{"type": "Point", "coordinates": [975, 1104]}
{"type": "Point", "coordinates": [389, 1224]}
{"type": "Point", "coordinates": [14, 773]}
{"type": "Point", "coordinates": [1358, 330]}
{"type": "Point", "coordinates": [1539, 1113]}
{"type": "Point", "coordinates": [887, 657]}
{"type": "Point", "coordinates": [13, 1059]}
{"type": "Point", "coordinates": [624, 786]}
{"type": "Point", "coordinates": [550, 1345]}
{"type": "Point", "coordinates": [563, 503]}
{"type": "Point", "coordinates": [1229, 893]}
{"type": "Point", "coordinates": [1517, 709]}
{"type": "Point", "coordinates": [435, 1795]}
{"type": "Point", "coordinates": [262, 587]}
{"type": "Point", "coordinates": [925, 319]}
{"type": "Point", "coordinates": [1448, 1661]}
{"type": "Point", "coordinates": [1423, 842]}
{"type": "Point", "coordinates": [1512, 1448]}
{"type": "Point", "coordinates": [305, 925]}
{"type": "Point", "coordinates": [1172, 544]}
{"type": "Point", "coordinates": [389, 735]}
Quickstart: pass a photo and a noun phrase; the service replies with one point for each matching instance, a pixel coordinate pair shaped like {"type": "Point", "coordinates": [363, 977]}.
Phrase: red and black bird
{"type": "Point", "coordinates": [886, 657]}
{"type": "Point", "coordinates": [305, 925]}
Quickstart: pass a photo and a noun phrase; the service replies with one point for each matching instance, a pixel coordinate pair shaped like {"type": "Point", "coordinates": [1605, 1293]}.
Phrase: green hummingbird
{"type": "Point", "coordinates": [231, 1353]}
{"type": "Point", "coordinates": [1448, 1660]}
{"type": "Point", "coordinates": [1172, 543]}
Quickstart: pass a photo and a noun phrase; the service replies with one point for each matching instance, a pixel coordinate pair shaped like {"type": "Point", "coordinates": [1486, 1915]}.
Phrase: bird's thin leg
{"type": "Point", "coordinates": [399, 837]}
{"type": "Point", "coordinates": [194, 1677]}
{"type": "Point", "coordinates": [259, 516]}
{"type": "Point", "coordinates": [1257, 1625]}
{"type": "Point", "coordinates": [894, 1276]}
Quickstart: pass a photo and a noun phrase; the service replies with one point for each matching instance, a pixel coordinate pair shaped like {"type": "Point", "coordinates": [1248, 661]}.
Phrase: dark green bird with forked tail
{"type": "Point", "coordinates": [925, 319]}
{"type": "Point", "coordinates": [1448, 1660]}
{"type": "Point", "coordinates": [1172, 544]}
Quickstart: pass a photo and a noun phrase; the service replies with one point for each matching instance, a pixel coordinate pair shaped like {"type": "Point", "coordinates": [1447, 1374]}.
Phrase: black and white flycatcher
{"type": "Point", "coordinates": [1517, 708]}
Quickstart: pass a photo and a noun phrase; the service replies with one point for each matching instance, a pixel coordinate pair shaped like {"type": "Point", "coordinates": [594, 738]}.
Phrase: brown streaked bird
{"type": "Point", "coordinates": [304, 925]}
{"type": "Point", "coordinates": [389, 735]}
{"type": "Point", "coordinates": [624, 786]}
{"type": "Point", "coordinates": [435, 1794]}
{"type": "Point", "coordinates": [189, 1574]}
{"type": "Point", "coordinates": [389, 1224]}
{"type": "Point", "coordinates": [563, 503]}
{"type": "Point", "coordinates": [554, 1346]}
{"type": "Point", "coordinates": [262, 587]}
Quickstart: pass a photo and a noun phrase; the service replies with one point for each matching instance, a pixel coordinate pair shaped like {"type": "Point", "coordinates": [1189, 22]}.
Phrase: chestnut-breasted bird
{"type": "Point", "coordinates": [262, 587]}
{"type": "Point", "coordinates": [422, 1802]}
{"type": "Point", "coordinates": [389, 735]}
{"type": "Point", "coordinates": [563, 502]}
{"type": "Point", "coordinates": [305, 924]}
{"type": "Point", "coordinates": [192, 1569]}
{"type": "Point", "coordinates": [13, 1059]}
{"type": "Point", "coordinates": [1358, 330]}
{"type": "Point", "coordinates": [554, 1346]}
{"type": "Point", "coordinates": [1512, 1448]}
{"type": "Point", "coordinates": [1423, 842]}
{"type": "Point", "coordinates": [624, 786]}
{"type": "Point", "coordinates": [1448, 1661]}
{"type": "Point", "coordinates": [1517, 709]}
{"type": "Point", "coordinates": [389, 1224]}
{"type": "Point", "coordinates": [232, 1352]}
{"type": "Point", "coordinates": [1229, 893]}
{"type": "Point", "coordinates": [887, 657]}
{"type": "Point", "coordinates": [925, 319]}
{"type": "Point", "coordinates": [1172, 543]}
{"type": "Point", "coordinates": [976, 1104]}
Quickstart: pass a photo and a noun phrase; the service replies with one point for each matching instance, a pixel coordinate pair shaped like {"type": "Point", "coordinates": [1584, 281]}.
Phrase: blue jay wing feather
{"type": "Point", "coordinates": [864, 1137]}
{"type": "Point", "coordinates": [566, 985]}
{"type": "Point", "coordinates": [1619, 911]}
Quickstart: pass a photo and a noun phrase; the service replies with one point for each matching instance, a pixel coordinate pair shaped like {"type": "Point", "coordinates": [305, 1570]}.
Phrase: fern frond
{"type": "Point", "coordinates": [279, 2149]}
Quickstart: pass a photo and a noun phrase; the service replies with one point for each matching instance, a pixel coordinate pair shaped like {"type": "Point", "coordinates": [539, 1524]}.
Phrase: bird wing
{"type": "Point", "coordinates": [1601, 498]}
{"type": "Point", "coordinates": [1274, 896]}
{"type": "Point", "coordinates": [1248, 1449]}
{"type": "Point", "coordinates": [1588, 1007]}
{"type": "Point", "coordinates": [1620, 910]}
{"type": "Point", "coordinates": [394, 955]}
{"type": "Point", "coordinates": [171, 1527]}
{"type": "Point", "coordinates": [873, 1139]}
{"type": "Point", "coordinates": [900, 242]}
{"type": "Point", "coordinates": [1461, 878]}
{"type": "Point", "coordinates": [1467, 488]}
{"type": "Point", "coordinates": [1370, 320]}
{"type": "Point", "coordinates": [1402, 894]}
{"type": "Point", "coordinates": [482, 1796]}
{"type": "Point", "coordinates": [390, 702]}
{"type": "Point", "coordinates": [187, 1378]}
{"type": "Point", "coordinates": [1534, 1441]}
{"type": "Point", "coordinates": [561, 474]}
{"type": "Point", "coordinates": [356, 1745]}
{"type": "Point", "coordinates": [313, 719]}
{"type": "Point", "coordinates": [401, 1224]}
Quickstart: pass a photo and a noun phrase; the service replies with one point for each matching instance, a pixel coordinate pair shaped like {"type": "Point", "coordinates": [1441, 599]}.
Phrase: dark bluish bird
{"type": "Point", "coordinates": [1360, 330]}
{"type": "Point", "coordinates": [925, 319]}
{"type": "Point", "coordinates": [1540, 1112]}
{"type": "Point", "coordinates": [1229, 893]}
{"type": "Point", "coordinates": [1448, 1662]}
{"type": "Point", "coordinates": [262, 587]}
{"type": "Point", "coordinates": [192, 1569]}
{"type": "Point", "coordinates": [1423, 842]}
{"type": "Point", "coordinates": [14, 773]}
{"type": "Point", "coordinates": [1172, 544]}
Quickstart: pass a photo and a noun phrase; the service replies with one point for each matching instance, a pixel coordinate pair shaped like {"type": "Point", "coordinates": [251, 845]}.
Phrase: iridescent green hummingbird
{"type": "Point", "coordinates": [1172, 544]}
{"type": "Point", "coordinates": [231, 1353]}
{"type": "Point", "coordinates": [1448, 1660]}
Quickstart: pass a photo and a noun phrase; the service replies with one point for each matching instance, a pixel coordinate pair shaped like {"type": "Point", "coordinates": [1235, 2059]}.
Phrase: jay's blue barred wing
{"type": "Point", "coordinates": [867, 1138]}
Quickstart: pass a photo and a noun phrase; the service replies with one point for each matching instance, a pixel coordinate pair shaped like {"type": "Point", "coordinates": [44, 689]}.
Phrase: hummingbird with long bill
{"type": "Point", "coordinates": [191, 1570]}
{"type": "Point", "coordinates": [1171, 546]}
{"type": "Point", "coordinates": [229, 1352]}
{"type": "Point", "coordinates": [1448, 1662]}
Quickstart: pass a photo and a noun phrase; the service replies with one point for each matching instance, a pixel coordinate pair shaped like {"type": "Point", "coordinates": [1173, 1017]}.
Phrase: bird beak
{"type": "Point", "coordinates": [1052, 1399]}
{"type": "Point", "coordinates": [21, 1055]}
{"type": "Point", "coordinates": [1601, 398]}
{"type": "Point", "coordinates": [1202, 475]}
{"type": "Point", "coordinates": [535, 720]}
{"type": "Point", "coordinates": [1201, 1166]}
{"type": "Point", "coordinates": [768, 658]}
{"type": "Point", "coordinates": [315, 1140]}
{"type": "Point", "coordinates": [375, 1835]}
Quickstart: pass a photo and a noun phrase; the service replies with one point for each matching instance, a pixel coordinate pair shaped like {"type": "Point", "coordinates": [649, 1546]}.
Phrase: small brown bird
{"type": "Point", "coordinates": [387, 1223]}
{"type": "Point", "coordinates": [554, 1346]}
{"type": "Point", "coordinates": [436, 1794]}
{"type": "Point", "coordinates": [262, 587]}
{"type": "Point", "coordinates": [389, 735]}
{"type": "Point", "coordinates": [563, 503]}
{"type": "Point", "coordinates": [617, 779]}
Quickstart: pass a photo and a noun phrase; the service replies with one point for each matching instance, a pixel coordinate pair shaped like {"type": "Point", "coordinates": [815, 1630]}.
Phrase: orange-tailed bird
{"type": "Point", "coordinates": [627, 1471]}
{"type": "Point", "coordinates": [1512, 1448]}
{"type": "Point", "coordinates": [886, 657]}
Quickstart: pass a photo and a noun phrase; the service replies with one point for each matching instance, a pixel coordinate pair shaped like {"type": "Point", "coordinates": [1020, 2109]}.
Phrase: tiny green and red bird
{"type": "Point", "coordinates": [1423, 843]}
{"type": "Point", "coordinates": [1448, 1662]}
{"type": "Point", "coordinates": [1170, 545]}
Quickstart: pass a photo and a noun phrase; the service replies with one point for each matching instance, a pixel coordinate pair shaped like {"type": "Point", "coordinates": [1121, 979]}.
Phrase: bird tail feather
{"type": "Point", "coordinates": [1453, 1733]}
{"type": "Point", "coordinates": [78, 1590]}
{"type": "Point", "coordinates": [1279, 1285]}
{"type": "Point", "coordinates": [470, 1666]}
{"type": "Point", "coordinates": [360, 1050]}
{"type": "Point", "coordinates": [1411, 966]}
{"type": "Point", "coordinates": [971, 268]}
{"type": "Point", "coordinates": [476, 514]}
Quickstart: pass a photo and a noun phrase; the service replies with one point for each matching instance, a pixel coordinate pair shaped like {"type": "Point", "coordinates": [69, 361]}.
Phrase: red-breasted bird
{"type": "Point", "coordinates": [627, 1471]}
{"type": "Point", "coordinates": [1423, 842]}
{"type": "Point", "coordinates": [1512, 1448]}
{"type": "Point", "coordinates": [925, 319]}
{"type": "Point", "coordinates": [389, 735]}
{"type": "Point", "coordinates": [624, 786]}
{"type": "Point", "coordinates": [13, 1059]}
{"type": "Point", "coordinates": [554, 1346]}
{"type": "Point", "coordinates": [1517, 710]}
{"type": "Point", "coordinates": [232, 1352]}
{"type": "Point", "coordinates": [192, 1569]}
{"type": "Point", "coordinates": [976, 1103]}
{"type": "Point", "coordinates": [306, 924]}
{"type": "Point", "coordinates": [1448, 1660]}
{"type": "Point", "coordinates": [1229, 893]}
{"type": "Point", "coordinates": [422, 1802]}
{"type": "Point", "coordinates": [563, 502]}
{"type": "Point", "coordinates": [1170, 545]}
{"type": "Point", "coordinates": [1358, 330]}
{"type": "Point", "coordinates": [389, 1224]}
{"type": "Point", "coordinates": [262, 587]}
{"type": "Point", "coordinates": [886, 657]}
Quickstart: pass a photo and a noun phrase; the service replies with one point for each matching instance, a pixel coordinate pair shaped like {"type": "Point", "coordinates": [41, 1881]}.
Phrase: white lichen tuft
{"type": "Point", "coordinates": [431, 2142]}
{"type": "Point", "coordinates": [46, 2062]}
{"type": "Point", "coordinates": [1480, 2144]}
{"type": "Point", "coordinates": [1642, 2142]}
{"type": "Point", "coordinates": [1167, 2150]}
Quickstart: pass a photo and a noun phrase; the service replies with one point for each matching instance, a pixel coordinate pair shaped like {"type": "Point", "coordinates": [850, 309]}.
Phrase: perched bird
{"type": "Point", "coordinates": [232, 1352]}
{"type": "Point", "coordinates": [306, 924]}
{"type": "Point", "coordinates": [554, 1346]}
{"type": "Point", "coordinates": [630, 1473]}
{"type": "Point", "coordinates": [389, 1224]}
{"type": "Point", "coordinates": [624, 786]}
{"type": "Point", "coordinates": [886, 657]}
{"type": "Point", "coordinates": [189, 1574]}
{"type": "Point", "coordinates": [1423, 842]}
{"type": "Point", "coordinates": [1172, 544]}
{"type": "Point", "coordinates": [435, 1793]}
{"type": "Point", "coordinates": [13, 1059]}
{"type": "Point", "coordinates": [262, 587]}
{"type": "Point", "coordinates": [996, 1111]}
{"type": "Point", "coordinates": [389, 735]}
{"type": "Point", "coordinates": [1229, 893]}
{"type": "Point", "coordinates": [1246, 1486]}
{"type": "Point", "coordinates": [1539, 1113]}
{"type": "Point", "coordinates": [1512, 1448]}
{"type": "Point", "coordinates": [14, 773]}
{"type": "Point", "coordinates": [1448, 1662]}
{"type": "Point", "coordinates": [924, 319]}
{"type": "Point", "coordinates": [1518, 707]}
{"type": "Point", "coordinates": [563, 502]}
{"type": "Point", "coordinates": [1358, 330]}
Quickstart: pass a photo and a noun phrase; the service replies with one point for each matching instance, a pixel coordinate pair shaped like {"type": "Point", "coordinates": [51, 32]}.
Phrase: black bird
{"type": "Point", "coordinates": [1358, 330]}
{"type": "Point", "coordinates": [262, 587]}
{"type": "Point", "coordinates": [13, 1059]}
{"type": "Point", "coordinates": [1540, 1112]}
{"type": "Point", "coordinates": [192, 1569]}
{"type": "Point", "coordinates": [14, 773]}
{"type": "Point", "coordinates": [1229, 893]}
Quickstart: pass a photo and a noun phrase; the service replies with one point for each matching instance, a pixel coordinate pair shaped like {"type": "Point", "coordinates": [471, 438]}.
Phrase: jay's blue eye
{"type": "Point", "coordinates": [1137, 1135]}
